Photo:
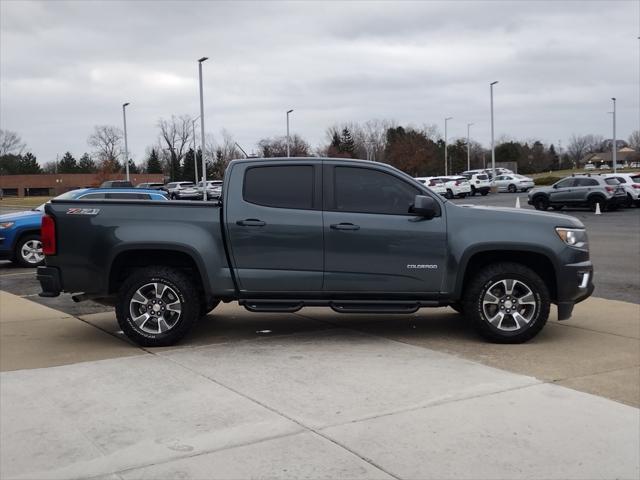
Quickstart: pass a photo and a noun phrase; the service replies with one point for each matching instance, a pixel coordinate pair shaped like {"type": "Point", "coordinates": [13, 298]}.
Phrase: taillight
{"type": "Point", "coordinates": [636, 185]}
{"type": "Point", "coordinates": [610, 189]}
{"type": "Point", "coordinates": [457, 182]}
{"type": "Point", "coordinates": [48, 235]}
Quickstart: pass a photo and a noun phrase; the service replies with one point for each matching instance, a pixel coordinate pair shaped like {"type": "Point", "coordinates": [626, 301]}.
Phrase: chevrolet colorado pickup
{"type": "Point", "coordinates": [355, 236]}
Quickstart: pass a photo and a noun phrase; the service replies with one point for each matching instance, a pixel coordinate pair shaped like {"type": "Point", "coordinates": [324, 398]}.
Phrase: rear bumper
{"type": "Point", "coordinates": [575, 284]}
{"type": "Point", "coordinates": [49, 278]}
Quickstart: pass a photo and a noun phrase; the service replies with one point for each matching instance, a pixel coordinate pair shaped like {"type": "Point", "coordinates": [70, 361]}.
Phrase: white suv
{"type": "Point", "coordinates": [480, 182]}
{"type": "Point", "coordinates": [434, 184]}
{"type": "Point", "coordinates": [631, 184]}
{"type": "Point", "coordinates": [456, 186]}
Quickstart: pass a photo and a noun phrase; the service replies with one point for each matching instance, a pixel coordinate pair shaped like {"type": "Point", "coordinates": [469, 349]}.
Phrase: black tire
{"type": "Point", "coordinates": [181, 289]}
{"type": "Point", "coordinates": [557, 207]}
{"type": "Point", "coordinates": [593, 201]}
{"type": "Point", "coordinates": [24, 253]}
{"type": "Point", "coordinates": [629, 201]}
{"type": "Point", "coordinates": [473, 191]}
{"type": "Point", "coordinates": [508, 329]}
{"type": "Point", "coordinates": [462, 195]}
{"type": "Point", "coordinates": [540, 203]}
{"type": "Point", "coordinates": [484, 193]}
{"type": "Point", "coordinates": [449, 194]}
{"type": "Point", "coordinates": [512, 189]}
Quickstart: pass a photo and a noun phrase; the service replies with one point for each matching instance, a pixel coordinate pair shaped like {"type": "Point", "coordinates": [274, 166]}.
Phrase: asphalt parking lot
{"type": "Point", "coordinates": [316, 394]}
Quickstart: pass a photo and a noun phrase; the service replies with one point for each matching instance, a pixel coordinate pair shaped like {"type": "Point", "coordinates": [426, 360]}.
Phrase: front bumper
{"type": "Point", "coordinates": [49, 278]}
{"type": "Point", "coordinates": [575, 284]}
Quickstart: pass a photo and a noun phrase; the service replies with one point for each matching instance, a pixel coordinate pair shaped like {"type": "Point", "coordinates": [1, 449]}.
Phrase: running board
{"type": "Point", "coordinates": [340, 306]}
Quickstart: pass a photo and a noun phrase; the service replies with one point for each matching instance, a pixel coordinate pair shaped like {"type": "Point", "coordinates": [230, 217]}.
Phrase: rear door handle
{"type": "Point", "coordinates": [251, 222]}
{"type": "Point", "coordinates": [345, 226]}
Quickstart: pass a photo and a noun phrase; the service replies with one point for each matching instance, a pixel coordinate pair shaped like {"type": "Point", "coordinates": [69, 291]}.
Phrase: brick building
{"type": "Point", "coordinates": [57, 183]}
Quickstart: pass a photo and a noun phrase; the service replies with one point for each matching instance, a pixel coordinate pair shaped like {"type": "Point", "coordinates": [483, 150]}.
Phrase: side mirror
{"type": "Point", "coordinates": [425, 206]}
{"type": "Point", "coordinates": [555, 186]}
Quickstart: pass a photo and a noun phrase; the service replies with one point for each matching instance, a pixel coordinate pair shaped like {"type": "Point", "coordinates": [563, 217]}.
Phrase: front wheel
{"type": "Point", "coordinates": [28, 251]}
{"type": "Point", "coordinates": [512, 189]}
{"type": "Point", "coordinates": [507, 303]}
{"type": "Point", "coordinates": [540, 203]}
{"type": "Point", "coordinates": [157, 306]}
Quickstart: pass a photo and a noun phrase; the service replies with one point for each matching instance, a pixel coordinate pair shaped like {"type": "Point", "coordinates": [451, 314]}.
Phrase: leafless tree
{"type": "Point", "coordinates": [595, 143]}
{"type": "Point", "coordinates": [578, 147]}
{"type": "Point", "coordinates": [175, 133]}
{"type": "Point", "coordinates": [634, 140]}
{"type": "Point", "coordinates": [218, 155]}
{"type": "Point", "coordinates": [277, 147]}
{"type": "Point", "coordinates": [10, 143]}
{"type": "Point", "coordinates": [106, 140]}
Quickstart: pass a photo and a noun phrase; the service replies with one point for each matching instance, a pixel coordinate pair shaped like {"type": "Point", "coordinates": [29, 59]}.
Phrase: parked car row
{"type": "Point", "coordinates": [608, 191]}
{"type": "Point", "coordinates": [472, 182]}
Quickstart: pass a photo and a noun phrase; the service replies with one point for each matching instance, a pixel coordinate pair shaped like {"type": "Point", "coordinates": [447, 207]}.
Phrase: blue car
{"type": "Point", "coordinates": [20, 232]}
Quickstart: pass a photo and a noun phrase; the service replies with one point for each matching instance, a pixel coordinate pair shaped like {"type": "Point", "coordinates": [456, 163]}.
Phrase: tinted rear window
{"type": "Point", "coordinates": [586, 182]}
{"type": "Point", "coordinates": [611, 181]}
{"type": "Point", "coordinates": [482, 177]}
{"type": "Point", "coordinates": [282, 186]}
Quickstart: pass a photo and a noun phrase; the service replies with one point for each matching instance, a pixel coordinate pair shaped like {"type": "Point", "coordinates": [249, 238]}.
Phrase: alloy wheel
{"type": "Point", "coordinates": [155, 308]}
{"type": "Point", "coordinates": [31, 252]}
{"type": "Point", "coordinates": [509, 305]}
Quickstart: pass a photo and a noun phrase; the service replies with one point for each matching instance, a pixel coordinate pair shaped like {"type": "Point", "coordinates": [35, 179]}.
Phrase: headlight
{"type": "Point", "coordinates": [574, 237]}
{"type": "Point", "coordinates": [6, 225]}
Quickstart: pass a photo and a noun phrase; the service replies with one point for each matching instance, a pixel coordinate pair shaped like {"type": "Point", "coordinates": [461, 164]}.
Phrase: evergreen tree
{"type": "Point", "coordinates": [29, 164]}
{"type": "Point", "coordinates": [68, 164]}
{"type": "Point", "coordinates": [153, 162]}
{"type": "Point", "coordinates": [86, 164]}
{"type": "Point", "coordinates": [554, 158]}
{"type": "Point", "coordinates": [188, 172]}
{"type": "Point", "coordinates": [347, 145]}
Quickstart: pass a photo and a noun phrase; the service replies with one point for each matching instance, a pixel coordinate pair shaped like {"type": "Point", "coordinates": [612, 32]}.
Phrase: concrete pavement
{"type": "Point", "coordinates": [318, 395]}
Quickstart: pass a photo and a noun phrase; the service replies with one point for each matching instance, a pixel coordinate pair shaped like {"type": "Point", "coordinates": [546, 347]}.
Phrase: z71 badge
{"type": "Point", "coordinates": [83, 211]}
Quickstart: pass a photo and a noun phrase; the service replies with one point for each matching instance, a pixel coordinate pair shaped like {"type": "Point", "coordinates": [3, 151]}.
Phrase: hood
{"type": "Point", "coordinates": [12, 217]}
{"type": "Point", "coordinates": [558, 219]}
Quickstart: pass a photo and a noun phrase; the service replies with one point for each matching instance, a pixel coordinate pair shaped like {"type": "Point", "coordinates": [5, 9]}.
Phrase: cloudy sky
{"type": "Point", "coordinates": [67, 66]}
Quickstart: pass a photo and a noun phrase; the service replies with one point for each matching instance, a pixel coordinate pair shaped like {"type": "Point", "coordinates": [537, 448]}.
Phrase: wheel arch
{"type": "Point", "coordinates": [21, 234]}
{"type": "Point", "coordinates": [538, 261]}
{"type": "Point", "coordinates": [124, 261]}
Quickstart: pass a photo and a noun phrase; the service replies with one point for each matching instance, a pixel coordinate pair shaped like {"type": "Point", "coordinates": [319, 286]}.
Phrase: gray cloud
{"type": "Point", "coordinates": [68, 66]}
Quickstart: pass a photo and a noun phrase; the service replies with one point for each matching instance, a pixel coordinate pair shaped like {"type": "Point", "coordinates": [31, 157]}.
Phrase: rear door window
{"type": "Point", "coordinates": [586, 182]}
{"type": "Point", "coordinates": [280, 186]}
{"type": "Point", "coordinates": [611, 181]}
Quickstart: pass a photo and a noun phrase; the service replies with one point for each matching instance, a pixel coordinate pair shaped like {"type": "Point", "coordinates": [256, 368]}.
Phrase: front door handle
{"type": "Point", "coordinates": [345, 226]}
{"type": "Point", "coordinates": [251, 222]}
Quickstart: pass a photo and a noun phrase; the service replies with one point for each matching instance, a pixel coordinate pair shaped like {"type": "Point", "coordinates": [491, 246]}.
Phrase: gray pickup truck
{"type": "Point", "coordinates": [356, 236]}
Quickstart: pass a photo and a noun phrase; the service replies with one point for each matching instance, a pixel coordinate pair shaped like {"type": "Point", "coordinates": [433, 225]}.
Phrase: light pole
{"type": "Point", "coordinates": [493, 145]}
{"type": "Point", "coordinates": [204, 165]}
{"type": "Point", "coordinates": [288, 137]}
{"type": "Point", "coordinates": [445, 144]}
{"type": "Point", "coordinates": [468, 146]}
{"type": "Point", "coordinates": [195, 155]}
{"type": "Point", "coordinates": [126, 146]}
{"type": "Point", "coordinates": [613, 145]}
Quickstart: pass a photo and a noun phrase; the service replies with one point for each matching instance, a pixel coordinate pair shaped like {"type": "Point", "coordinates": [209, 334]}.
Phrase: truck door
{"type": "Point", "coordinates": [273, 219]}
{"type": "Point", "coordinates": [372, 242]}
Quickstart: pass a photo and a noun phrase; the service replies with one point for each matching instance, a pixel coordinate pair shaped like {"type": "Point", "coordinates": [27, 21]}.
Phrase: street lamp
{"type": "Point", "coordinates": [445, 144]}
{"type": "Point", "coordinates": [493, 145]}
{"type": "Point", "coordinates": [288, 137]}
{"type": "Point", "coordinates": [468, 147]}
{"type": "Point", "coordinates": [613, 146]}
{"type": "Point", "coordinates": [126, 147]}
{"type": "Point", "coordinates": [204, 165]}
{"type": "Point", "coordinates": [195, 155]}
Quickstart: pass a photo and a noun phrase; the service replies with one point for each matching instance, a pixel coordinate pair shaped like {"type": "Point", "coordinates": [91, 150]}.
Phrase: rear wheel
{"type": "Point", "coordinates": [484, 193]}
{"type": "Point", "coordinates": [157, 306]}
{"type": "Point", "coordinates": [28, 251]}
{"type": "Point", "coordinates": [448, 194]}
{"type": "Point", "coordinates": [462, 195]}
{"type": "Point", "coordinates": [512, 189]}
{"type": "Point", "coordinates": [540, 203]}
{"type": "Point", "coordinates": [629, 201]}
{"type": "Point", "coordinates": [473, 191]}
{"type": "Point", "coordinates": [507, 303]}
